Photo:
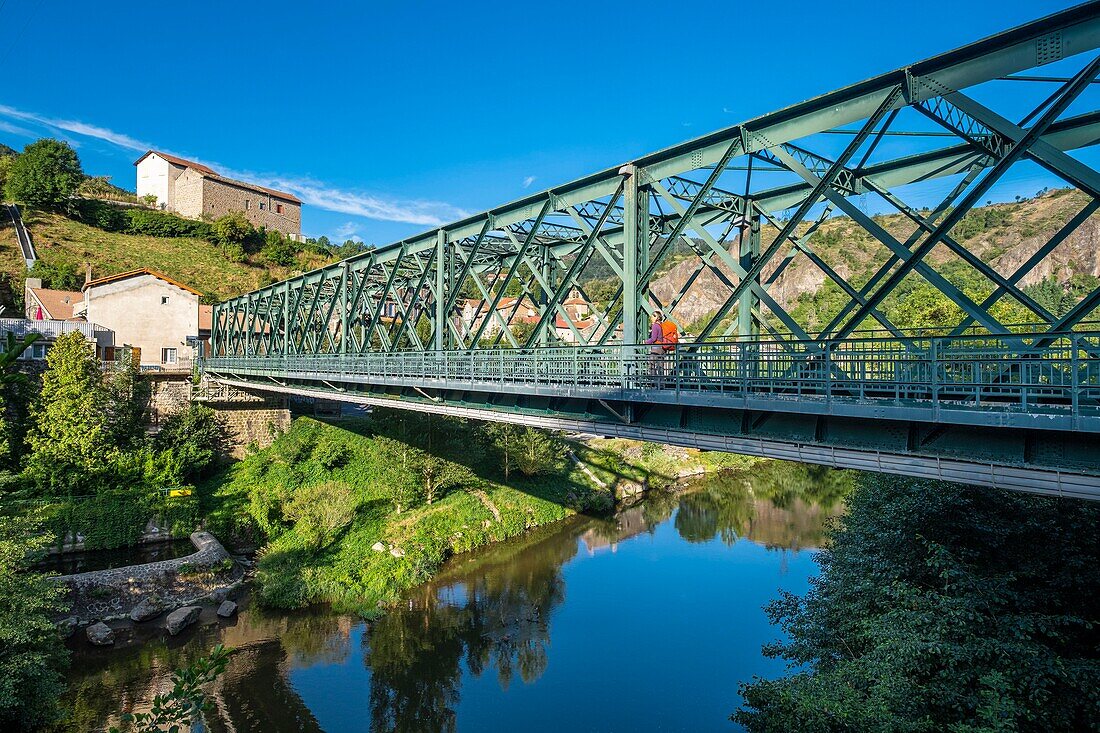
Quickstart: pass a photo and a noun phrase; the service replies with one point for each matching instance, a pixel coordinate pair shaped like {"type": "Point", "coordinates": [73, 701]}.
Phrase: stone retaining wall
{"type": "Point", "coordinates": [251, 425]}
{"type": "Point", "coordinates": [111, 593]}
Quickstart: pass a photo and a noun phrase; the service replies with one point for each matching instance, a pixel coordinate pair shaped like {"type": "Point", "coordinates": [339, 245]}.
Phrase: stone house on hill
{"type": "Point", "coordinates": [195, 190]}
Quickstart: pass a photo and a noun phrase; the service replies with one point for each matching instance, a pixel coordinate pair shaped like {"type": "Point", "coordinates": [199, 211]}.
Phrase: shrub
{"type": "Point", "coordinates": [320, 510]}
{"type": "Point", "coordinates": [101, 215]}
{"type": "Point", "coordinates": [164, 224]}
{"type": "Point", "coordinates": [233, 228]}
{"type": "Point", "coordinates": [197, 436]}
{"type": "Point", "coordinates": [331, 453]}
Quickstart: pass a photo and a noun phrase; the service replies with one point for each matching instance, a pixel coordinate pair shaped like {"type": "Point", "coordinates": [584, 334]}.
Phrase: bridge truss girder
{"type": "Point", "coordinates": [468, 283]}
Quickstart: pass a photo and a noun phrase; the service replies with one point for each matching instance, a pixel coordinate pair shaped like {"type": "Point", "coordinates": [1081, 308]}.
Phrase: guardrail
{"type": "Point", "coordinates": [51, 329]}
{"type": "Point", "coordinates": [1026, 373]}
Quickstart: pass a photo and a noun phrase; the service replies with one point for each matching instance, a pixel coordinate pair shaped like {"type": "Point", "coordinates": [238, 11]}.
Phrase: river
{"type": "Point", "coordinates": [644, 622]}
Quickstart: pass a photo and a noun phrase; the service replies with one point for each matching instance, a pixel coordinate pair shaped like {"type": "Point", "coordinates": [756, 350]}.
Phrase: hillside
{"type": "Point", "coordinates": [192, 261]}
{"type": "Point", "coordinates": [1004, 235]}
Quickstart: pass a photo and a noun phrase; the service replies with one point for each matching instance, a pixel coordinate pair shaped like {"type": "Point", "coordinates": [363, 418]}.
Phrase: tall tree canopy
{"type": "Point", "coordinates": [47, 174]}
{"type": "Point", "coordinates": [943, 607]}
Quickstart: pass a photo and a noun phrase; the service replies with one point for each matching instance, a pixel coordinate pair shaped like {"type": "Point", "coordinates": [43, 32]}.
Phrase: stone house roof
{"type": "Point", "coordinates": [135, 273]}
{"type": "Point", "coordinates": [208, 172]}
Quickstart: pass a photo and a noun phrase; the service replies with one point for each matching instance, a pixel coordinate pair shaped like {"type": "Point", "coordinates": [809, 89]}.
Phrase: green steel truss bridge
{"type": "Point", "coordinates": [429, 323]}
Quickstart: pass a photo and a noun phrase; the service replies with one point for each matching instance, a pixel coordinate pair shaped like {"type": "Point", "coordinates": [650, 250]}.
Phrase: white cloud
{"type": "Point", "coordinates": [528, 181]}
{"type": "Point", "coordinates": [348, 230]}
{"type": "Point", "coordinates": [728, 111]}
{"type": "Point", "coordinates": [15, 129]}
{"type": "Point", "coordinates": [310, 190]}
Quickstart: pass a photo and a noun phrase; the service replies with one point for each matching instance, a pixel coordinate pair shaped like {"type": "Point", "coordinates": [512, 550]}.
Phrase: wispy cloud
{"type": "Point", "coordinates": [312, 191]}
{"type": "Point", "coordinates": [528, 181]}
{"type": "Point", "coordinates": [728, 111]}
{"type": "Point", "coordinates": [15, 129]}
{"type": "Point", "coordinates": [348, 230]}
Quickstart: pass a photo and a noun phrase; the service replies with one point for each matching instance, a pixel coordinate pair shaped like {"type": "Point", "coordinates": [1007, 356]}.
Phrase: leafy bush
{"type": "Point", "coordinates": [197, 436]}
{"type": "Point", "coordinates": [278, 249]}
{"type": "Point", "coordinates": [56, 274]}
{"type": "Point", "coordinates": [101, 215]}
{"type": "Point", "coordinates": [164, 224]}
{"type": "Point", "coordinates": [331, 453]}
{"type": "Point", "coordinates": [233, 228]}
{"type": "Point", "coordinates": [31, 652]}
{"type": "Point", "coordinates": [319, 511]}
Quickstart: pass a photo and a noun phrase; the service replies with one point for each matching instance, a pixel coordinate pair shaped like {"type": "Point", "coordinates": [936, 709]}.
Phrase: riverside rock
{"type": "Point", "coordinates": [378, 547]}
{"type": "Point", "coordinates": [181, 618]}
{"type": "Point", "coordinates": [148, 608]}
{"type": "Point", "coordinates": [100, 634]}
{"type": "Point", "coordinates": [227, 609]}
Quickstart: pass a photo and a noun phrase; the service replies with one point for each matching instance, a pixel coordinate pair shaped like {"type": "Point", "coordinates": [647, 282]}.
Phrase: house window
{"type": "Point", "coordinates": [261, 206]}
{"type": "Point", "coordinates": [167, 356]}
{"type": "Point", "coordinates": [278, 208]}
{"type": "Point", "coordinates": [248, 205]}
{"type": "Point", "coordinates": [164, 300]}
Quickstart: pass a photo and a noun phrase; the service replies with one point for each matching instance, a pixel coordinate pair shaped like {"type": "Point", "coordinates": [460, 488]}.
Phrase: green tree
{"type": "Point", "coordinates": [31, 653]}
{"type": "Point", "coordinates": [942, 607]}
{"type": "Point", "coordinates": [14, 389]}
{"type": "Point", "coordinates": [504, 437]}
{"type": "Point", "coordinates": [233, 229]}
{"type": "Point", "coordinates": [278, 250]}
{"type": "Point", "coordinates": [70, 434]}
{"type": "Point", "coordinates": [46, 175]}
{"type": "Point", "coordinates": [539, 452]}
{"type": "Point", "coordinates": [57, 275]}
{"type": "Point", "coordinates": [196, 436]}
{"type": "Point", "coordinates": [127, 397]}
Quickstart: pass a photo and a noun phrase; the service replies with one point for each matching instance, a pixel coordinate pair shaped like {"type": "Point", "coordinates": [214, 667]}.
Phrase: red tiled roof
{"type": "Point", "coordinates": [135, 273]}
{"type": "Point", "coordinates": [178, 161]}
{"type": "Point", "coordinates": [57, 304]}
{"type": "Point", "coordinates": [206, 317]}
{"type": "Point", "coordinates": [253, 187]}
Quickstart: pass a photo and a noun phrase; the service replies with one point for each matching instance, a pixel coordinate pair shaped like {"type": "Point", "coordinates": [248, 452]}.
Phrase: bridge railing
{"type": "Point", "coordinates": [1018, 372]}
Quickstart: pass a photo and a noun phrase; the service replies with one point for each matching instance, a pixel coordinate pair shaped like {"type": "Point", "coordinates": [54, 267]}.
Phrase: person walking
{"type": "Point", "coordinates": [656, 341]}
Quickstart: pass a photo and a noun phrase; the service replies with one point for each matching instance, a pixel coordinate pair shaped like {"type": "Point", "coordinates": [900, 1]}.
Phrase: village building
{"type": "Point", "coordinates": [196, 191]}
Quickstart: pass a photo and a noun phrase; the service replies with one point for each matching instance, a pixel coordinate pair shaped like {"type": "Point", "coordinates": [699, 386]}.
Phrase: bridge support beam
{"type": "Point", "coordinates": [635, 251]}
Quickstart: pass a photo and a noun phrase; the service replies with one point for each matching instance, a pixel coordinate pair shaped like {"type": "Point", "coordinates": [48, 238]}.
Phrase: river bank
{"type": "Point", "coordinates": [354, 513]}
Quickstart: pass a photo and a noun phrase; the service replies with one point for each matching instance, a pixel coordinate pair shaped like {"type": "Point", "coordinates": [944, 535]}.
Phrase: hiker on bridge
{"type": "Point", "coordinates": [663, 338]}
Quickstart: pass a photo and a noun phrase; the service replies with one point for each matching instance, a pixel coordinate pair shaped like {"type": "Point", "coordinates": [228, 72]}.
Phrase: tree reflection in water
{"type": "Point", "coordinates": [495, 618]}
{"type": "Point", "coordinates": [492, 609]}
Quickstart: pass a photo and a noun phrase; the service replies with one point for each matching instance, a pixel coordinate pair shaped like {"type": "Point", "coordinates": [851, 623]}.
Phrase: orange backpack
{"type": "Point", "coordinates": [669, 335]}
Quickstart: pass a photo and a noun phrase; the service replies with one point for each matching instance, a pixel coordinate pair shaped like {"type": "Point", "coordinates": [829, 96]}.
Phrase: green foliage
{"type": "Point", "coordinates": [112, 518]}
{"type": "Point", "coordinates": [100, 187]}
{"type": "Point", "coordinates": [331, 453]}
{"type": "Point", "coordinates": [45, 175]}
{"type": "Point", "coordinates": [165, 224]}
{"type": "Point", "coordinates": [319, 511]}
{"type": "Point", "coordinates": [233, 229]}
{"type": "Point", "coordinates": [942, 607]}
{"type": "Point", "coordinates": [31, 652]}
{"type": "Point", "coordinates": [127, 394]}
{"type": "Point", "coordinates": [391, 465]}
{"type": "Point", "coordinates": [278, 249]}
{"type": "Point", "coordinates": [196, 436]}
{"type": "Point", "coordinates": [57, 275]}
{"type": "Point", "coordinates": [182, 707]}
{"type": "Point", "coordinates": [71, 434]}
{"type": "Point", "coordinates": [539, 452]}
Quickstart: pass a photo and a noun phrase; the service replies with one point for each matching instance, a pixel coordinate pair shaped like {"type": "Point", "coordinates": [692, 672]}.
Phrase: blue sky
{"type": "Point", "coordinates": [390, 118]}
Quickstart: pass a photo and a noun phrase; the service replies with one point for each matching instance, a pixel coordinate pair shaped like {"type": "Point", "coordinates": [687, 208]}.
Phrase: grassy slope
{"type": "Point", "coordinates": [192, 261]}
{"type": "Point", "coordinates": [348, 572]}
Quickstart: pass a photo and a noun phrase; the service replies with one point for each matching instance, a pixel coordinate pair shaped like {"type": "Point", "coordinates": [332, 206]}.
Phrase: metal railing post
{"type": "Point", "coordinates": [1075, 381]}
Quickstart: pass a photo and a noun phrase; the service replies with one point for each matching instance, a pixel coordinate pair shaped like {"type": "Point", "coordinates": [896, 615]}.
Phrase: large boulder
{"type": "Point", "coordinates": [181, 618]}
{"type": "Point", "coordinates": [100, 634]}
{"type": "Point", "coordinates": [149, 607]}
{"type": "Point", "coordinates": [227, 609]}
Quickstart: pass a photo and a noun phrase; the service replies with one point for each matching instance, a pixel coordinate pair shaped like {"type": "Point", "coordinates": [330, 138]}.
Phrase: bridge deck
{"type": "Point", "coordinates": [1024, 381]}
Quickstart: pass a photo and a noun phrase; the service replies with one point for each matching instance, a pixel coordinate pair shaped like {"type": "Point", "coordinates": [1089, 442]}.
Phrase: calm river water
{"type": "Point", "coordinates": [644, 622]}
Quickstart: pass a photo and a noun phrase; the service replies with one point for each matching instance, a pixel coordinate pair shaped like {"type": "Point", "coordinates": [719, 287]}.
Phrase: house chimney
{"type": "Point", "coordinates": [87, 272]}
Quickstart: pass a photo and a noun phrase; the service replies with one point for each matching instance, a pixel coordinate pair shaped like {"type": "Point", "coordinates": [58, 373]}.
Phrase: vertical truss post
{"type": "Point", "coordinates": [747, 328]}
{"type": "Point", "coordinates": [439, 333]}
{"type": "Point", "coordinates": [345, 310]}
{"type": "Point", "coordinates": [635, 249]}
{"type": "Point", "coordinates": [286, 319]}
